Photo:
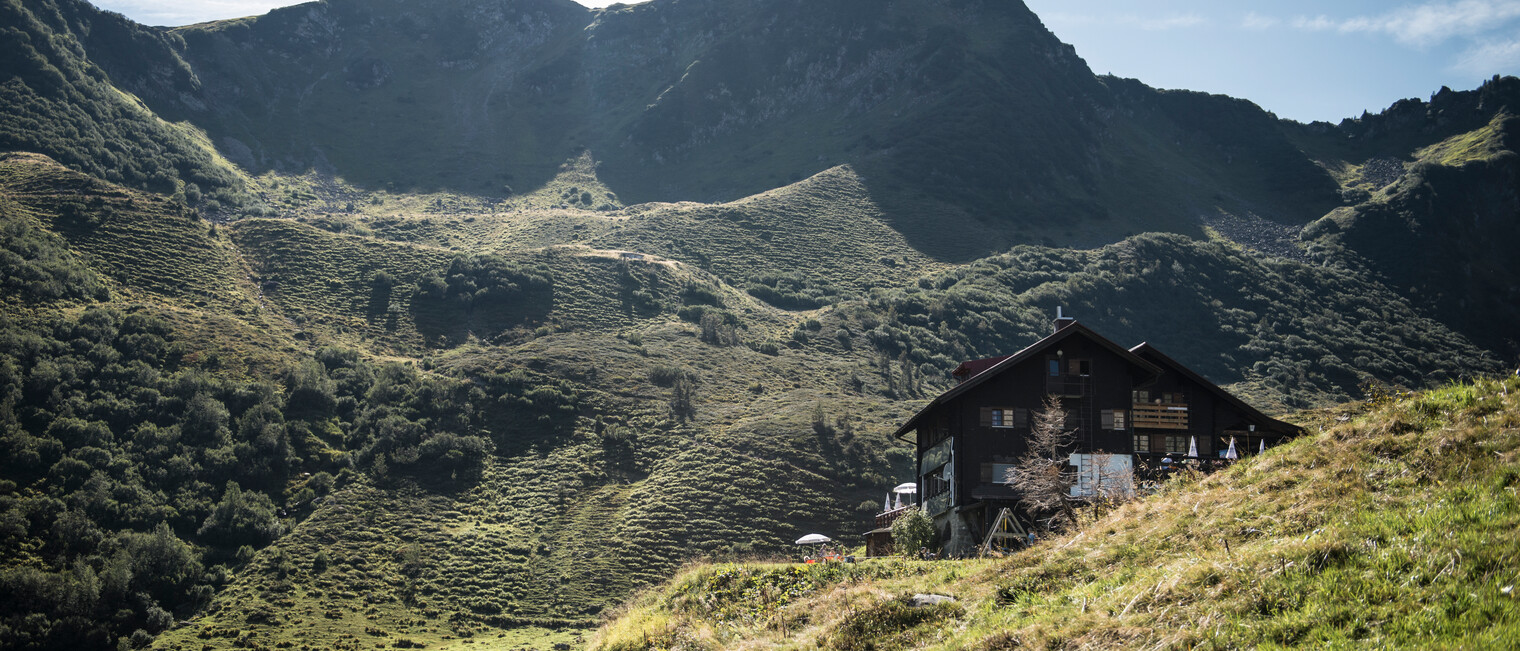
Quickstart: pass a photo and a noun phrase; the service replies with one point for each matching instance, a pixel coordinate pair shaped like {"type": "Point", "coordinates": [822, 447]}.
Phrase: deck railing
{"type": "Point", "coordinates": [1160, 415]}
{"type": "Point", "coordinates": [886, 518]}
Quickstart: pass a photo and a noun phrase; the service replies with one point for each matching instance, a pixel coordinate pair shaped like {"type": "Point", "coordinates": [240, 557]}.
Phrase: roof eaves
{"type": "Point", "coordinates": [1229, 397]}
{"type": "Point", "coordinates": [1020, 356]}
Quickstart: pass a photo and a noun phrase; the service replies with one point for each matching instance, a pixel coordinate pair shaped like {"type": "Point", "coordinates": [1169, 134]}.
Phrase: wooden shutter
{"type": "Point", "coordinates": [986, 417]}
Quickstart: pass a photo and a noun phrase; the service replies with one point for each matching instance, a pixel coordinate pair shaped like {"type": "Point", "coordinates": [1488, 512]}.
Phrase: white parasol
{"type": "Point", "coordinates": [1193, 447]}
{"type": "Point", "coordinates": [814, 539]}
{"type": "Point", "coordinates": [1230, 453]}
{"type": "Point", "coordinates": [908, 487]}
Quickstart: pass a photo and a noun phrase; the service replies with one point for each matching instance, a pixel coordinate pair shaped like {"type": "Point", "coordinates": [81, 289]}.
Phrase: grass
{"type": "Point", "coordinates": [1396, 526]}
{"type": "Point", "coordinates": [566, 522]}
{"type": "Point", "coordinates": [825, 227]}
{"type": "Point", "coordinates": [1476, 145]}
{"type": "Point", "coordinates": [149, 245]}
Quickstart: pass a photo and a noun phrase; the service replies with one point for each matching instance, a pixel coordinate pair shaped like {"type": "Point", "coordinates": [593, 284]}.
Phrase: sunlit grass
{"type": "Point", "coordinates": [1396, 528]}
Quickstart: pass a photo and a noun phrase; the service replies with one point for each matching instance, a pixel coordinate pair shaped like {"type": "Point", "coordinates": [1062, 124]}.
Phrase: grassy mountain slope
{"type": "Point", "coordinates": [1282, 331]}
{"type": "Point", "coordinates": [141, 240]}
{"type": "Point", "coordinates": [764, 421]}
{"type": "Point", "coordinates": [1443, 231]}
{"type": "Point", "coordinates": [932, 103]}
{"type": "Point", "coordinates": [142, 248]}
{"type": "Point", "coordinates": [1393, 526]}
{"type": "Point", "coordinates": [59, 101]}
{"type": "Point", "coordinates": [823, 228]}
{"type": "Point", "coordinates": [610, 418]}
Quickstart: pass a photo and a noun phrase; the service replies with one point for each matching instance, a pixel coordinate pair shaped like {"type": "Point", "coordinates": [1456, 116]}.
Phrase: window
{"type": "Point", "coordinates": [1005, 417]}
{"type": "Point", "coordinates": [935, 482]}
{"type": "Point", "coordinates": [1114, 419]}
{"type": "Point", "coordinates": [1055, 367]}
{"type": "Point", "coordinates": [1141, 396]}
{"type": "Point", "coordinates": [996, 473]}
{"type": "Point", "coordinates": [1142, 442]}
{"type": "Point", "coordinates": [1176, 444]}
{"type": "Point", "coordinates": [1082, 367]}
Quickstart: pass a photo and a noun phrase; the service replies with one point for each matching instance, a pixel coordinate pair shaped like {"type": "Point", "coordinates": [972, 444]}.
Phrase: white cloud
{"type": "Point", "coordinates": [1255, 21]}
{"type": "Point", "coordinates": [1496, 57]}
{"type": "Point", "coordinates": [185, 12]}
{"type": "Point", "coordinates": [1315, 24]}
{"type": "Point", "coordinates": [1424, 25]}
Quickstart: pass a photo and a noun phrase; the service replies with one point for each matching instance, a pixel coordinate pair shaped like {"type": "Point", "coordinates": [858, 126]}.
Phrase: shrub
{"type": "Point", "coordinates": [666, 376]}
{"type": "Point", "coordinates": [914, 530]}
{"type": "Point", "coordinates": [695, 294]}
{"type": "Point", "coordinates": [241, 518]}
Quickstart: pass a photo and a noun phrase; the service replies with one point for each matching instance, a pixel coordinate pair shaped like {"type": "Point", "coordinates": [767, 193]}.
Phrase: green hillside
{"type": "Point", "coordinates": [583, 423]}
{"type": "Point", "coordinates": [1458, 268]}
{"type": "Point", "coordinates": [59, 101]}
{"type": "Point", "coordinates": [1394, 525]}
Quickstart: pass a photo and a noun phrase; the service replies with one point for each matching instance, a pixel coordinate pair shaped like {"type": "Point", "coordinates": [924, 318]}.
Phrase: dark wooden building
{"type": "Point", "coordinates": [1130, 408]}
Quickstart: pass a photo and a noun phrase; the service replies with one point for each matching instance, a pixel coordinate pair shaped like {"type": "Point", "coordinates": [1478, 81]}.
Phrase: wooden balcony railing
{"type": "Point", "coordinates": [886, 518]}
{"type": "Point", "coordinates": [1160, 416]}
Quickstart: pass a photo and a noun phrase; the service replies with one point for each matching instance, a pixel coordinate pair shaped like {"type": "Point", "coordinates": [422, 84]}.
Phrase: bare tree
{"type": "Point", "coordinates": [1042, 476]}
{"type": "Point", "coordinates": [1107, 482]}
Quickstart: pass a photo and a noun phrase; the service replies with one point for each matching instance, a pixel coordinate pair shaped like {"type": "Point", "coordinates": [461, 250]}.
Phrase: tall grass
{"type": "Point", "coordinates": [1397, 527]}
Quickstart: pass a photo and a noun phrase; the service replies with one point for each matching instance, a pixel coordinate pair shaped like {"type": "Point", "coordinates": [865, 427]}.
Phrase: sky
{"type": "Point", "coordinates": [1303, 60]}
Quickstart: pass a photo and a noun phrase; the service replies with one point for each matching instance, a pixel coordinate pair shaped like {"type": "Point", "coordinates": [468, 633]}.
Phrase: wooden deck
{"type": "Point", "coordinates": [1160, 416]}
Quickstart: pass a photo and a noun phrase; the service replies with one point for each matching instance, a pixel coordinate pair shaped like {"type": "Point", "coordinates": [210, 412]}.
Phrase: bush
{"type": "Point", "coordinates": [694, 294]}
{"type": "Point", "coordinates": [666, 376]}
{"type": "Point", "coordinates": [912, 531]}
{"type": "Point", "coordinates": [241, 518]}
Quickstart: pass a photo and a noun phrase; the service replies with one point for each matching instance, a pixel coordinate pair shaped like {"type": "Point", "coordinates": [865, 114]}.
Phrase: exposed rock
{"type": "Point", "coordinates": [922, 600]}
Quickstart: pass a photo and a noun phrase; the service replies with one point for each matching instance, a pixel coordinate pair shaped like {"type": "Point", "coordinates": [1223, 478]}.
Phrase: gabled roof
{"type": "Point", "coordinates": [1148, 350]}
{"type": "Point", "coordinates": [1014, 359]}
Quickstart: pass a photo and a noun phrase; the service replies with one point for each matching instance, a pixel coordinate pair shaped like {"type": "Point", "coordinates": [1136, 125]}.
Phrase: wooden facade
{"type": "Point", "coordinates": [1134, 402]}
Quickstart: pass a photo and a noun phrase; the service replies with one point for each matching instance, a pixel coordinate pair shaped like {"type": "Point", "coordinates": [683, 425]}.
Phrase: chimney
{"type": "Point", "coordinates": [1062, 321]}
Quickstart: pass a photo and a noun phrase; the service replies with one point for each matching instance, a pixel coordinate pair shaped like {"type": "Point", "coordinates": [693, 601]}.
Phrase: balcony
{"type": "Point", "coordinates": [1159, 416]}
{"type": "Point", "coordinates": [886, 518]}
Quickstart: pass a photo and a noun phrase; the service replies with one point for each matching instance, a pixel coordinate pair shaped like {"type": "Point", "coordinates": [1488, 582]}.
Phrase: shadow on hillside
{"type": "Point", "coordinates": [451, 323]}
